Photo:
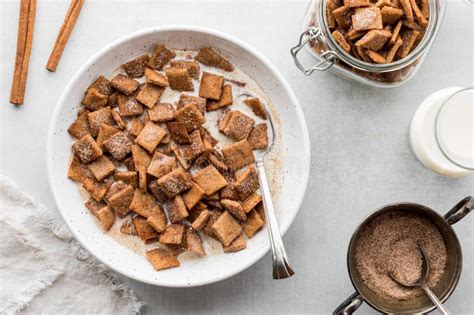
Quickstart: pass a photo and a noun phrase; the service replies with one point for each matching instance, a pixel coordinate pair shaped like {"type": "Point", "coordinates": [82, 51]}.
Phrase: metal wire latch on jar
{"type": "Point", "coordinates": [328, 57]}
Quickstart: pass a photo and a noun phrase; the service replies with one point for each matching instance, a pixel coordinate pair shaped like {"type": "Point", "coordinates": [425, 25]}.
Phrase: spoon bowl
{"type": "Point", "coordinates": [421, 282]}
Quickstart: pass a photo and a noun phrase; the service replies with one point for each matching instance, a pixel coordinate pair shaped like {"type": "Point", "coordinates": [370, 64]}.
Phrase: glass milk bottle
{"type": "Point", "coordinates": [442, 132]}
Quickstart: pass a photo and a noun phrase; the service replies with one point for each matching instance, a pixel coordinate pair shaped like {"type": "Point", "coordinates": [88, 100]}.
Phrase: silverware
{"type": "Point", "coordinates": [425, 270]}
{"type": "Point", "coordinates": [281, 266]}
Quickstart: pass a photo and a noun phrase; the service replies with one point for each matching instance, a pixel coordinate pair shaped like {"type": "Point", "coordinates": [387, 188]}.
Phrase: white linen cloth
{"type": "Point", "coordinates": [43, 269]}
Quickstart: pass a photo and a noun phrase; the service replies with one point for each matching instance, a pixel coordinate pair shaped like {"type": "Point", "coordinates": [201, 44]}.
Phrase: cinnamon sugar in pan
{"type": "Point", "coordinates": [389, 244]}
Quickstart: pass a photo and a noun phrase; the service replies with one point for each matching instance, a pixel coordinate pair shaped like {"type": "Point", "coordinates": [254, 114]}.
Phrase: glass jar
{"type": "Point", "coordinates": [330, 55]}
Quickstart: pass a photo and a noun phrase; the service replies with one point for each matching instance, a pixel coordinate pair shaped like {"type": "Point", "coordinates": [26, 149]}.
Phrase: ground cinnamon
{"type": "Point", "coordinates": [64, 33]}
{"type": "Point", "coordinates": [23, 50]}
{"type": "Point", "coordinates": [389, 245]}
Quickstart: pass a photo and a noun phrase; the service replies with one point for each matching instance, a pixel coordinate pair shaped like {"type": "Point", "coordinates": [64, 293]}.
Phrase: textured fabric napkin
{"type": "Point", "coordinates": [43, 270]}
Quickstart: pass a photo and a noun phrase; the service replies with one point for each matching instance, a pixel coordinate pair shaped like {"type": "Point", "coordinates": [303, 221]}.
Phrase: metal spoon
{"type": "Point", "coordinates": [281, 266]}
{"type": "Point", "coordinates": [425, 270]}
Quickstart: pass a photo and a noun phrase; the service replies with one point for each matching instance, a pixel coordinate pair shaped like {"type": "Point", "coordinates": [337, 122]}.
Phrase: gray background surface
{"type": "Point", "coordinates": [361, 158]}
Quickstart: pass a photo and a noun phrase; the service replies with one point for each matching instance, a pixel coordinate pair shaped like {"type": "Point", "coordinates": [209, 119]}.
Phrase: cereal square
{"type": "Point", "coordinates": [226, 99]}
{"type": "Point", "coordinates": [343, 16]}
{"type": "Point", "coordinates": [106, 217]}
{"type": "Point", "coordinates": [238, 155]}
{"type": "Point", "coordinates": [141, 158]}
{"type": "Point", "coordinates": [94, 100]}
{"type": "Point", "coordinates": [179, 79]}
{"type": "Point", "coordinates": [150, 136]}
{"type": "Point", "coordinates": [236, 245]}
{"type": "Point", "coordinates": [235, 208]}
{"type": "Point", "coordinates": [156, 78]}
{"type": "Point", "coordinates": [125, 84]}
{"type": "Point", "coordinates": [127, 227]}
{"type": "Point", "coordinates": [258, 137]}
{"type": "Point", "coordinates": [375, 57]}
{"type": "Point", "coordinates": [211, 86]}
{"type": "Point", "coordinates": [422, 20]}
{"type": "Point", "coordinates": [177, 209]}
{"type": "Point", "coordinates": [261, 211]}
{"type": "Point", "coordinates": [238, 126]}
{"type": "Point", "coordinates": [99, 117]}
{"type": "Point", "coordinates": [120, 201]}
{"type": "Point", "coordinates": [77, 171]}
{"type": "Point", "coordinates": [356, 3]}
{"type": "Point", "coordinates": [251, 202]}
{"type": "Point", "coordinates": [341, 40]}
{"type": "Point", "coordinates": [393, 50]}
{"type": "Point", "coordinates": [213, 216]}
{"type": "Point", "coordinates": [210, 180]}
{"type": "Point", "coordinates": [187, 153]}
{"type": "Point", "coordinates": [161, 259]}
{"type": "Point", "coordinates": [136, 126]}
{"type": "Point", "coordinates": [247, 182]}
{"type": "Point", "coordinates": [80, 127]}
{"type": "Point", "coordinates": [114, 188]}
{"type": "Point", "coordinates": [252, 224]}
{"type": "Point", "coordinates": [160, 57]}
{"type": "Point", "coordinates": [194, 242]}
{"type": "Point", "coordinates": [128, 177]}
{"type": "Point", "coordinates": [119, 145]}
{"type": "Point", "coordinates": [175, 182]}
{"type": "Point", "coordinates": [101, 168]}
{"type": "Point", "coordinates": [158, 221]}
{"type": "Point", "coordinates": [95, 189]}
{"type": "Point", "coordinates": [93, 206]}
{"type": "Point", "coordinates": [161, 112]}
{"type": "Point", "coordinates": [200, 222]}
{"type": "Point", "coordinates": [157, 192]}
{"type": "Point", "coordinates": [191, 66]}
{"type": "Point", "coordinates": [149, 94]}
{"type": "Point", "coordinates": [161, 165]}
{"type": "Point", "coordinates": [144, 204]}
{"type": "Point", "coordinates": [190, 116]}
{"type": "Point", "coordinates": [226, 228]}
{"type": "Point", "coordinates": [129, 106]}
{"type": "Point", "coordinates": [178, 132]}
{"type": "Point", "coordinates": [406, 5]}
{"type": "Point", "coordinates": [229, 192]}
{"type": "Point", "coordinates": [135, 68]}
{"type": "Point", "coordinates": [391, 15]}
{"type": "Point", "coordinates": [256, 106]}
{"type": "Point", "coordinates": [199, 102]}
{"type": "Point", "coordinates": [144, 230]}
{"type": "Point", "coordinates": [193, 196]}
{"type": "Point", "coordinates": [209, 57]}
{"type": "Point", "coordinates": [408, 39]}
{"type": "Point", "coordinates": [86, 149]}
{"type": "Point", "coordinates": [374, 40]}
{"type": "Point", "coordinates": [102, 85]}
{"type": "Point", "coordinates": [368, 18]}
{"type": "Point", "coordinates": [105, 131]}
{"type": "Point", "coordinates": [173, 234]}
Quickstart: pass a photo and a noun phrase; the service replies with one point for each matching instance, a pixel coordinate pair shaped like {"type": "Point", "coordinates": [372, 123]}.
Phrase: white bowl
{"type": "Point", "coordinates": [215, 267]}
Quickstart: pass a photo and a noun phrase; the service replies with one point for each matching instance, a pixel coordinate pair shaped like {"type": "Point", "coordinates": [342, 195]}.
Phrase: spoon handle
{"type": "Point", "coordinates": [281, 266]}
{"type": "Point", "coordinates": [434, 299]}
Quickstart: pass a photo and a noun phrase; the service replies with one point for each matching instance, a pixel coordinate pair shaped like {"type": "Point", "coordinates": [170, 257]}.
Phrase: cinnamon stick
{"type": "Point", "coordinates": [64, 33]}
{"type": "Point", "coordinates": [26, 23]}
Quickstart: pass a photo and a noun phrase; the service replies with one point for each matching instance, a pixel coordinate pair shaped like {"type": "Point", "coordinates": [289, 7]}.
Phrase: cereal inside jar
{"type": "Point", "coordinates": [380, 43]}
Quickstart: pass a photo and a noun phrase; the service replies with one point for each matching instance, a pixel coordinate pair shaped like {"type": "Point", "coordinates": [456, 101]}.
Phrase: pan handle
{"type": "Point", "coordinates": [460, 210]}
{"type": "Point", "coordinates": [350, 305]}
